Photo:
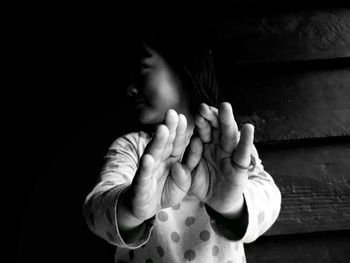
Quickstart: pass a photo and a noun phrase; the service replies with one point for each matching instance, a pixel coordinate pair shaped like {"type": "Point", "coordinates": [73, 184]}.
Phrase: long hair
{"type": "Point", "coordinates": [184, 49]}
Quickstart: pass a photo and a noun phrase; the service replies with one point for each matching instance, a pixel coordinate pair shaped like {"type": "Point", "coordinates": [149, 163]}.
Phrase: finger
{"type": "Point", "coordinates": [228, 128]}
{"type": "Point", "coordinates": [176, 185]}
{"type": "Point", "coordinates": [215, 136]}
{"type": "Point", "coordinates": [171, 121]}
{"type": "Point", "coordinates": [193, 153]}
{"type": "Point", "coordinates": [201, 181]}
{"type": "Point", "coordinates": [242, 155]}
{"type": "Point", "coordinates": [179, 144]}
{"type": "Point", "coordinates": [210, 114]}
{"type": "Point", "coordinates": [157, 144]}
{"type": "Point", "coordinates": [203, 128]}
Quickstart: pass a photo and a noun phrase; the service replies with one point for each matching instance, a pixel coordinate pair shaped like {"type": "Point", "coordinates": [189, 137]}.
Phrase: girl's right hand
{"type": "Point", "coordinates": [160, 181]}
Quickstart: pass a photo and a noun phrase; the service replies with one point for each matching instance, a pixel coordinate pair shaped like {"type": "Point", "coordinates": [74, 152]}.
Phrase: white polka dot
{"type": "Point", "coordinates": [190, 255]}
{"type": "Point", "coordinates": [215, 250]}
{"type": "Point", "coordinates": [160, 251]}
{"type": "Point", "coordinates": [176, 207]}
{"type": "Point", "coordinates": [204, 235]}
{"type": "Point", "coordinates": [162, 216]}
{"type": "Point", "coordinates": [175, 237]}
{"type": "Point", "coordinates": [189, 221]}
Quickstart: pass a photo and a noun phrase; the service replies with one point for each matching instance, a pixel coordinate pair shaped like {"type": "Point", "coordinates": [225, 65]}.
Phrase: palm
{"type": "Point", "coordinates": [160, 192]}
{"type": "Point", "coordinates": [221, 182]}
{"type": "Point", "coordinates": [218, 179]}
{"type": "Point", "coordinates": [159, 181]}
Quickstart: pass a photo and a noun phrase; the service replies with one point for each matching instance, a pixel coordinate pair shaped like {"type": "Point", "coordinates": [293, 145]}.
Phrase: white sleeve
{"type": "Point", "coordinates": [100, 206]}
{"type": "Point", "coordinates": [263, 203]}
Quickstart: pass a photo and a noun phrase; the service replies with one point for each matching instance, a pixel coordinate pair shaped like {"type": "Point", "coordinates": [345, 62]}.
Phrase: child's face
{"type": "Point", "coordinates": [155, 89]}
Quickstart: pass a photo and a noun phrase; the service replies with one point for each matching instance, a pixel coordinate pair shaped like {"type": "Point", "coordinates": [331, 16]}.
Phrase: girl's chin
{"type": "Point", "coordinates": [149, 118]}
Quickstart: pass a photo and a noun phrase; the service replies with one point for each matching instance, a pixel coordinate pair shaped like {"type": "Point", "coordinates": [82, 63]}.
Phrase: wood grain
{"type": "Point", "coordinates": [291, 106]}
{"type": "Point", "coordinates": [282, 36]}
{"type": "Point", "coordinates": [326, 247]}
{"type": "Point", "coordinates": [315, 186]}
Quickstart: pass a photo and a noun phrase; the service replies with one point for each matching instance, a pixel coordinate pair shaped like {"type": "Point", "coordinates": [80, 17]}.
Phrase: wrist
{"type": "Point", "coordinates": [231, 225]}
{"type": "Point", "coordinates": [232, 210]}
{"type": "Point", "coordinates": [126, 220]}
{"type": "Point", "coordinates": [235, 210]}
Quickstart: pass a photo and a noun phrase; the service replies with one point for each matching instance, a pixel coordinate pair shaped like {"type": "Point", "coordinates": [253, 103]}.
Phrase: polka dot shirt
{"type": "Point", "coordinates": [186, 232]}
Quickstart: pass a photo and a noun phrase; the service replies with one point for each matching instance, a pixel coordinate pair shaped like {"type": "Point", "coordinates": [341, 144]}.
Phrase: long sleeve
{"type": "Point", "coordinates": [263, 203]}
{"type": "Point", "coordinates": [100, 206]}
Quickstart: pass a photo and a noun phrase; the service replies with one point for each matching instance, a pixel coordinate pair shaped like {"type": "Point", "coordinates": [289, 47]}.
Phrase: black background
{"type": "Point", "coordinates": [69, 105]}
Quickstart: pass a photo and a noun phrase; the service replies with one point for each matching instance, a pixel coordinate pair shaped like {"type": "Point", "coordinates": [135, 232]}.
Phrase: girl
{"type": "Point", "coordinates": [190, 187]}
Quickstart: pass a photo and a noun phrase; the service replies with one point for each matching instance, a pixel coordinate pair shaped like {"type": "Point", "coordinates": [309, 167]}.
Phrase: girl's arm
{"type": "Point", "coordinates": [100, 206]}
{"type": "Point", "coordinates": [241, 198]}
{"type": "Point", "coordinates": [262, 203]}
{"type": "Point", "coordinates": [134, 185]}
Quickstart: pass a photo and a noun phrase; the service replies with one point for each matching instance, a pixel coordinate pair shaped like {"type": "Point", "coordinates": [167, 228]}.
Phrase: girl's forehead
{"type": "Point", "coordinates": [139, 51]}
{"type": "Point", "coordinates": [148, 56]}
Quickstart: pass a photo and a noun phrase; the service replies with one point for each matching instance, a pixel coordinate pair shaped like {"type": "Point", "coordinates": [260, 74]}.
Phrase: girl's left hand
{"type": "Point", "coordinates": [220, 177]}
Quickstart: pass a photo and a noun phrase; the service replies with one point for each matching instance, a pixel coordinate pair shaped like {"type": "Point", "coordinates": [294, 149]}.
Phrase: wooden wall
{"type": "Point", "coordinates": [288, 73]}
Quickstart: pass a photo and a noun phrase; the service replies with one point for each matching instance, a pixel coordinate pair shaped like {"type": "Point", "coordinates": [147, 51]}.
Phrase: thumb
{"type": "Point", "coordinates": [181, 176]}
{"type": "Point", "coordinates": [193, 153]}
{"type": "Point", "coordinates": [242, 155]}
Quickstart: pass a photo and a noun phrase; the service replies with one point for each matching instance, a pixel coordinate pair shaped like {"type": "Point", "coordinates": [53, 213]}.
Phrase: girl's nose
{"type": "Point", "coordinates": [131, 91]}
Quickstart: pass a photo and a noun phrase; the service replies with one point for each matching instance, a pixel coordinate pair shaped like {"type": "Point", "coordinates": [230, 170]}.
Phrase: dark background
{"type": "Point", "coordinates": [69, 109]}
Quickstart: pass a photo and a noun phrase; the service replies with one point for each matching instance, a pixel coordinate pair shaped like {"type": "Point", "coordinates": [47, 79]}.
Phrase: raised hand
{"type": "Point", "coordinates": [220, 177]}
{"type": "Point", "coordinates": [160, 181]}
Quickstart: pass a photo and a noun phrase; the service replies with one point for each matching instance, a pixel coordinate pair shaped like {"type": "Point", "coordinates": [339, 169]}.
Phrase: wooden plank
{"type": "Point", "coordinates": [326, 247]}
{"type": "Point", "coordinates": [309, 34]}
{"type": "Point", "coordinates": [315, 186]}
{"type": "Point", "coordinates": [290, 106]}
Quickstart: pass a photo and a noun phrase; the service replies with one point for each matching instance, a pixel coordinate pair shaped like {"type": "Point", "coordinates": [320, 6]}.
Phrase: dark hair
{"type": "Point", "coordinates": [184, 48]}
